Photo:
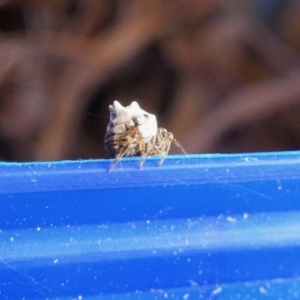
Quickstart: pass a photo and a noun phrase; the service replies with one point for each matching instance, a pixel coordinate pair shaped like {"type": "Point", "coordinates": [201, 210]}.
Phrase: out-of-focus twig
{"type": "Point", "coordinates": [247, 105]}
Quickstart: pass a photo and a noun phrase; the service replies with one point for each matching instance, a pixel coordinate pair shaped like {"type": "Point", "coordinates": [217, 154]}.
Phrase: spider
{"type": "Point", "coordinates": [132, 131]}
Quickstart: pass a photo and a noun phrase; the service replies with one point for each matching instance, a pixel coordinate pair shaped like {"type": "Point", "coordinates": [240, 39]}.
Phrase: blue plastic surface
{"type": "Point", "coordinates": [199, 227]}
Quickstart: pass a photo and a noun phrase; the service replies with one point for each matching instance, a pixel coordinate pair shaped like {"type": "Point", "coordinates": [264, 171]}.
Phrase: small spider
{"type": "Point", "coordinates": [133, 131]}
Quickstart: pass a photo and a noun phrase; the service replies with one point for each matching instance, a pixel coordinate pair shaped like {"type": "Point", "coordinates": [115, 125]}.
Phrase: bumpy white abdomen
{"type": "Point", "coordinates": [129, 127]}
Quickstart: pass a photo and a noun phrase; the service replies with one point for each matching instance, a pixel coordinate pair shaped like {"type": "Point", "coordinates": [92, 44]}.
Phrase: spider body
{"type": "Point", "coordinates": [132, 131]}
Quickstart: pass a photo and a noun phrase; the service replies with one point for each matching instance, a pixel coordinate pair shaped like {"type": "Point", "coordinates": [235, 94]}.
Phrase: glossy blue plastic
{"type": "Point", "coordinates": [198, 227]}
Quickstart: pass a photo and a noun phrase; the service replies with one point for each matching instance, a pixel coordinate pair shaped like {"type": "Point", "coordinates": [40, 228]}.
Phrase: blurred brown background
{"type": "Point", "coordinates": [223, 76]}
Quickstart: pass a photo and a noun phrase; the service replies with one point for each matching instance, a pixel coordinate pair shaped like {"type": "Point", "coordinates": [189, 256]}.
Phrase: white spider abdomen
{"type": "Point", "coordinates": [124, 123]}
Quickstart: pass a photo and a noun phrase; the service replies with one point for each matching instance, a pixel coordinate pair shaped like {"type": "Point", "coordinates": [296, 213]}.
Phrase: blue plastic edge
{"type": "Point", "coordinates": [200, 226]}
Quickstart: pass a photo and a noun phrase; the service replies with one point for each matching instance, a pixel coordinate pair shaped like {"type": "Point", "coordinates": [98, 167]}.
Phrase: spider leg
{"type": "Point", "coordinates": [165, 139]}
{"type": "Point", "coordinates": [165, 153]}
{"type": "Point", "coordinates": [179, 146]}
{"type": "Point", "coordinates": [142, 151]}
{"type": "Point", "coordinates": [123, 152]}
{"type": "Point", "coordinates": [148, 149]}
{"type": "Point", "coordinates": [118, 157]}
